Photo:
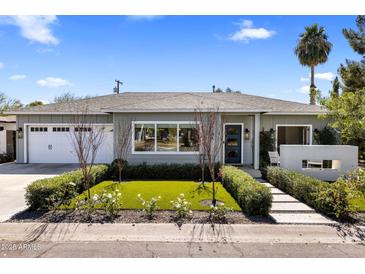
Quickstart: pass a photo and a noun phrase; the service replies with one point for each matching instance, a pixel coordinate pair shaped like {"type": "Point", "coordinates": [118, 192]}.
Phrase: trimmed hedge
{"type": "Point", "coordinates": [253, 197]}
{"type": "Point", "coordinates": [5, 158]}
{"type": "Point", "coordinates": [162, 172]}
{"type": "Point", "coordinates": [332, 199]}
{"type": "Point", "coordinates": [49, 193]}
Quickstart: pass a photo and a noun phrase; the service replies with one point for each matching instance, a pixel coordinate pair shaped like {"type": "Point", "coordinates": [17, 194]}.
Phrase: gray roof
{"type": "Point", "coordinates": [7, 119]}
{"type": "Point", "coordinates": [174, 102]}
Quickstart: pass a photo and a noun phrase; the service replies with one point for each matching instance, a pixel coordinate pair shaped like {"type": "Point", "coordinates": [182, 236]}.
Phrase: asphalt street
{"type": "Point", "coordinates": [119, 249]}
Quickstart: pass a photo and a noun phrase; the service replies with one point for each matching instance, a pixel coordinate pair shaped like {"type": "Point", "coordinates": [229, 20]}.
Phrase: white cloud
{"type": "Point", "coordinates": [304, 79]}
{"type": "Point", "coordinates": [2, 65]}
{"type": "Point", "coordinates": [53, 82]}
{"type": "Point", "coordinates": [16, 77]}
{"type": "Point", "coordinates": [34, 28]}
{"type": "Point", "coordinates": [143, 17]}
{"type": "Point", "coordinates": [329, 76]}
{"type": "Point", "coordinates": [304, 89]}
{"type": "Point", "coordinates": [247, 32]}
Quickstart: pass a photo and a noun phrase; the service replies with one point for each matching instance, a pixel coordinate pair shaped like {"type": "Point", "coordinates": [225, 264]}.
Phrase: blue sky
{"type": "Point", "coordinates": [42, 57]}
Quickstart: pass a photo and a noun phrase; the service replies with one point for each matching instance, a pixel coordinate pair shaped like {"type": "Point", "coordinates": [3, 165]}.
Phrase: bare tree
{"type": "Point", "coordinates": [210, 139]}
{"type": "Point", "coordinates": [86, 139]}
{"type": "Point", "coordinates": [123, 144]}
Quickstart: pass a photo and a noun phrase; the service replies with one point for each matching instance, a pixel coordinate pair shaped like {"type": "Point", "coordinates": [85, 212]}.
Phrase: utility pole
{"type": "Point", "coordinates": [117, 84]}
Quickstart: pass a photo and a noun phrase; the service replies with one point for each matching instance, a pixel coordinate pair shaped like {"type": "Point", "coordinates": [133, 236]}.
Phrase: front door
{"type": "Point", "coordinates": [233, 144]}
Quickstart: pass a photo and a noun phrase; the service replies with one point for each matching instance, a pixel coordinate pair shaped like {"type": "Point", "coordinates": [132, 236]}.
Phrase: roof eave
{"type": "Point", "coordinates": [53, 113]}
{"type": "Point", "coordinates": [182, 110]}
{"type": "Point", "coordinates": [293, 113]}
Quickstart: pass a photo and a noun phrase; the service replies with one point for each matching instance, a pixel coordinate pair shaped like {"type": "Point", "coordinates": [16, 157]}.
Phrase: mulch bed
{"type": "Point", "coordinates": [129, 216]}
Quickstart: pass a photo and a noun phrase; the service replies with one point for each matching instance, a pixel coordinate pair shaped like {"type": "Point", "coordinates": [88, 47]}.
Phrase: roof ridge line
{"type": "Point", "coordinates": [143, 101]}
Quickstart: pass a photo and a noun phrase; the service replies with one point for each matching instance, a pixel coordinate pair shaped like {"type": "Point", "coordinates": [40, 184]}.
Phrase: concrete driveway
{"type": "Point", "coordinates": [15, 177]}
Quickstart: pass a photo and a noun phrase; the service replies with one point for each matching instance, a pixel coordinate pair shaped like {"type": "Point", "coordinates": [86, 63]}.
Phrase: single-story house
{"type": "Point", "coordinates": [7, 134]}
{"type": "Point", "coordinates": [162, 125]}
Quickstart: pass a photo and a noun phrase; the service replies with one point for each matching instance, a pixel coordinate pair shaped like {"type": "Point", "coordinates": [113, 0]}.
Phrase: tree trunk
{"type": "Point", "coordinates": [214, 201]}
{"type": "Point", "coordinates": [120, 174]}
{"type": "Point", "coordinates": [203, 175]}
{"type": "Point", "coordinates": [312, 94]}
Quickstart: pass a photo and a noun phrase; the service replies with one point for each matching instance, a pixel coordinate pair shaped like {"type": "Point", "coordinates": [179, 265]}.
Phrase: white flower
{"type": "Point", "coordinates": [159, 197]}
{"type": "Point", "coordinates": [178, 206]}
{"type": "Point", "coordinates": [109, 196]}
{"type": "Point", "coordinates": [95, 197]}
{"type": "Point", "coordinates": [72, 184]}
{"type": "Point", "coordinates": [182, 195]}
{"type": "Point", "coordinates": [139, 195]}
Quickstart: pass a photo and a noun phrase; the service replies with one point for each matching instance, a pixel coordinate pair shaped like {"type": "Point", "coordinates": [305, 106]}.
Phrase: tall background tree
{"type": "Point", "coordinates": [35, 103]}
{"type": "Point", "coordinates": [346, 109]}
{"type": "Point", "coordinates": [313, 49]}
{"type": "Point", "coordinates": [7, 103]}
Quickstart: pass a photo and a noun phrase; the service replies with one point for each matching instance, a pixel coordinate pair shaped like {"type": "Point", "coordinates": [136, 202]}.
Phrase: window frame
{"type": "Point", "coordinates": [155, 151]}
{"type": "Point", "coordinates": [310, 126]}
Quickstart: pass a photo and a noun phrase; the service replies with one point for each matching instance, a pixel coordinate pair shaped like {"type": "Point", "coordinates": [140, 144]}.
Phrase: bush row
{"type": "Point", "coordinates": [51, 192]}
{"type": "Point", "coordinates": [4, 158]}
{"type": "Point", "coordinates": [253, 197]}
{"type": "Point", "coordinates": [332, 199]}
{"type": "Point", "coordinates": [162, 172]}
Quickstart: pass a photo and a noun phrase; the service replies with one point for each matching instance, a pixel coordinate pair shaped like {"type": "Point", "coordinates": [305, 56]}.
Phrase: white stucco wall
{"type": "Point", "coordinates": [344, 158]}
{"type": "Point", "coordinates": [7, 126]}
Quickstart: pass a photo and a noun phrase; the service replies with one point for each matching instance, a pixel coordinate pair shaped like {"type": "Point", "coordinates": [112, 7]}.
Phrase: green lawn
{"type": "Point", "coordinates": [359, 203]}
{"type": "Point", "coordinates": [168, 190]}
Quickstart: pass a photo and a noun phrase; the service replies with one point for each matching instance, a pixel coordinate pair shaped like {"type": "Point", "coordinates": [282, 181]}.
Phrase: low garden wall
{"type": "Point", "coordinates": [313, 160]}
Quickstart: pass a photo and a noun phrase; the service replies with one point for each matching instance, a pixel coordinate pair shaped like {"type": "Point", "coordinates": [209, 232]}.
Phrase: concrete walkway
{"type": "Point", "coordinates": [14, 178]}
{"type": "Point", "coordinates": [288, 210]}
{"type": "Point", "coordinates": [237, 233]}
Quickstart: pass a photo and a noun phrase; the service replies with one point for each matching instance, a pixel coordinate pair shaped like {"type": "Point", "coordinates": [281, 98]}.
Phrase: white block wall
{"type": "Point", "coordinates": [7, 126]}
{"type": "Point", "coordinates": [346, 158]}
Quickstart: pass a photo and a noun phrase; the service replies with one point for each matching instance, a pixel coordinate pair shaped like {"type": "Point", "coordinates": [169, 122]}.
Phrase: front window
{"type": "Point", "coordinates": [144, 137]}
{"type": "Point", "coordinates": [164, 137]}
{"type": "Point", "coordinates": [188, 138]}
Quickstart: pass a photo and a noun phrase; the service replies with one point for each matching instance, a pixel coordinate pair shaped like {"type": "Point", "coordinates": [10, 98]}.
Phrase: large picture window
{"type": "Point", "coordinates": [165, 137]}
{"type": "Point", "coordinates": [188, 138]}
{"type": "Point", "coordinates": [144, 137]}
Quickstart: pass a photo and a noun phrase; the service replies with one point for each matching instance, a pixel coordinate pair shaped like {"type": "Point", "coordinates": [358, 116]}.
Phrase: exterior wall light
{"type": "Point", "coordinates": [20, 133]}
{"type": "Point", "coordinates": [247, 134]}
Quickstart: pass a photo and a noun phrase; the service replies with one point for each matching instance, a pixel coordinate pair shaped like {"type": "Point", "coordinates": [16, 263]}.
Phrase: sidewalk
{"type": "Point", "coordinates": [238, 233]}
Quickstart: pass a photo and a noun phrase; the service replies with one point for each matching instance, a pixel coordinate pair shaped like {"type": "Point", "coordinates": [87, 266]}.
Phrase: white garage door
{"type": "Point", "coordinates": [53, 144]}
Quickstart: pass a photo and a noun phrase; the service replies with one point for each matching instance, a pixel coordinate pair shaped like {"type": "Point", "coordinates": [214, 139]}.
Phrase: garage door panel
{"type": "Point", "coordinates": [57, 147]}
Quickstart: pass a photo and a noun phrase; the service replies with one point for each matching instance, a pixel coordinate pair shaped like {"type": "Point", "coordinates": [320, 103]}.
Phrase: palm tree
{"type": "Point", "coordinates": [313, 49]}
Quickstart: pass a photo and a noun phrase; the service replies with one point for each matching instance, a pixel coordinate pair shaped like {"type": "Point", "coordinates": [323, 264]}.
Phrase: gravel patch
{"type": "Point", "coordinates": [128, 216]}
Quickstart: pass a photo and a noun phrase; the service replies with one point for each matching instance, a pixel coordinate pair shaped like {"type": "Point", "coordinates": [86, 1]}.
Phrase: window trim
{"type": "Point", "coordinates": [155, 151]}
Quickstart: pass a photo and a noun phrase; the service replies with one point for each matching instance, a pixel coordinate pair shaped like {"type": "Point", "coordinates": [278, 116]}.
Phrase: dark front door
{"type": "Point", "coordinates": [233, 144]}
